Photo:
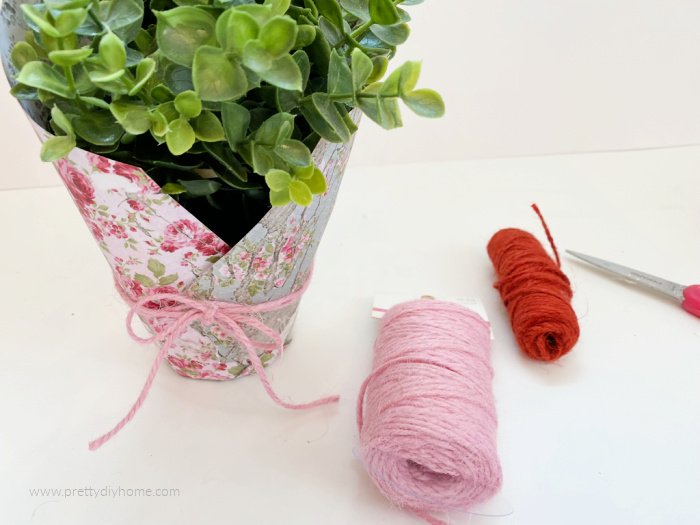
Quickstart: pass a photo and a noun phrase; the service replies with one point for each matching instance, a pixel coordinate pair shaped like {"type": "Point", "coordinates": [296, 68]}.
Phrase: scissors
{"type": "Point", "coordinates": [688, 296]}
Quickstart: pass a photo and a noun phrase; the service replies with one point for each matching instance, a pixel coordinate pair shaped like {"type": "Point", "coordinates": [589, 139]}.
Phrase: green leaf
{"type": "Point", "coordinates": [173, 188]}
{"type": "Point", "coordinates": [144, 280]}
{"type": "Point", "coordinates": [379, 67]}
{"type": "Point", "coordinates": [144, 72]}
{"type": "Point", "coordinates": [41, 76]}
{"type": "Point", "coordinates": [305, 172]}
{"type": "Point", "coordinates": [182, 30]}
{"type": "Point", "coordinates": [122, 17]}
{"type": "Point", "coordinates": [280, 198]}
{"type": "Point", "coordinates": [236, 120]}
{"type": "Point", "coordinates": [216, 76]}
{"type": "Point", "coordinates": [38, 18]}
{"type": "Point", "coordinates": [65, 4]}
{"type": "Point", "coordinates": [70, 57]}
{"type": "Point", "coordinates": [97, 102]}
{"type": "Point", "coordinates": [317, 182]}
{"type": "Point", "coordinates": [394, 35]}
{"type": "Point", "coordinates": [262, 159]}
{"type": "Point", "coordinates": [383, 110]}
{"type": "Point", "coordinates": [201, 187]}
{"type": "Point", "coordinates": [233, 174]}
{"type": "Point", "coordinates": [177, 78]}
{"type": "Point", "coordinates": [98, 127]}
{"type": "Point", "coordinates": [392, 85]}
{"type": "Point", "coordinates": [188, 104]}
{"type": "Point", "coordinates": [168, 110]}
{"type": "Point", "coordinates": [112, 53]}
{"type": "Point", "coordinates": [61, 121]}
{"type": "Point", "coordinates": [283, 73]}
{"type": "Point", "coordinates": [324, 118]}
{"type": "Point", "coordinates": [300, 193]}
{"type": "Point", "coordinates": [388, 113]}
{"type": "Point", "coordinates": [383, 12]}
{"type": "Point", "coordinates": [69, 20]}
{"type": "Point", "coordinates": [168, 279]}
{"type": "Point", "coordinates": [294, 152]}
{"type": "Point", "coordinates": [278, 35]}
{"type": "Point", "coordinates": [56, 148]}
{"type": "Point", "coordinates": [278, 7]}
{"type": "Point", "coordinates": [425, 102]}
{"type": "Point", "coordinates": [330, 32]}
{"type": "Point", "coordinates": [302, 60]}
{"type": "Point", "coordinates": [305, 36]}
{"type": "Point", "coordinates": [22, 92]}
{"type": "Point", "coordinates": [234, 29]}
{"type": "Point", "coordinates": [357, 8]}
{"type": "Point", "coordinates": [361, 68]}
{"type": "Point", "coordinates": [207, 127]}
{"type": "Point", "coordinates": [159, 124]}
{"type": "Point", "coordinates": [261, 13]}
{"type": "Point", "coordinates": [157, 268]}
{"type": "Point", "coordinates": [331, 10]}
{"type": "Point", "coordinates": [133, 57]}
{"type": "Point", "coordinates": [100, 75]}
{"type": "Point", "coordinates": [255, 56]}
{"type": "Point", "coordinates": [133, 116]}
{"type": "Point", "coordinates": [145, 42]}
{"type": "Point", "coordinates": [180, 137]}
{"type": "Point", "coordinates": [278, 180]}
{"type": "Point", "coordinates": [162, 93]}
{"type": "Point", "coordinates": [408, 78]}
{"type": "Point", "coordinates": [271, 132]}
{"type": "Point", "coordinates": [340, 78]}
{"type": "Point", "coordinates": [22, 53]}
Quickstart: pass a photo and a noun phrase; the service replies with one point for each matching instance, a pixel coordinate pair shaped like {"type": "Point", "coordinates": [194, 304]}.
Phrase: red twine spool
{"type": "Point", "coordinates": [535, 292]}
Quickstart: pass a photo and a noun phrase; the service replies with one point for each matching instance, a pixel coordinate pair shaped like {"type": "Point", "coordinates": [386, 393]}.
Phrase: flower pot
{"type": "Point", "coordinates": [154, 245]}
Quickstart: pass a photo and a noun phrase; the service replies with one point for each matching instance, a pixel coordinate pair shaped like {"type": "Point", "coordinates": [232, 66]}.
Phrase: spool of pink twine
{"type": "Point", "coordinates": [426, 413]}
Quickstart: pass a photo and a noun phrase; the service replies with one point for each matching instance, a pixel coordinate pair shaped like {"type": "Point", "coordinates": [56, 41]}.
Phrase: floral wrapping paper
{"type": "Point", "coordinates": [154, 245]}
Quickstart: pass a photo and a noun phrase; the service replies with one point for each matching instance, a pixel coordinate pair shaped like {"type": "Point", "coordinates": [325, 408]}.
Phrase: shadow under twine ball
{"type": "Point", "coordinates": [536, 293]}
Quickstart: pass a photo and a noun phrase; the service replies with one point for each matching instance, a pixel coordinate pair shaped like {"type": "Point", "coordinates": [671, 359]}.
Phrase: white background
{"type": "Point", "coordinates": [519, 77]}
{"type": "Point", "coordinates": [607, 435]}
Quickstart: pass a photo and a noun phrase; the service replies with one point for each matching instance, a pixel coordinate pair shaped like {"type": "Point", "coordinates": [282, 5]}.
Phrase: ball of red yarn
{"type": "Point", "coordinates": [536, 293]}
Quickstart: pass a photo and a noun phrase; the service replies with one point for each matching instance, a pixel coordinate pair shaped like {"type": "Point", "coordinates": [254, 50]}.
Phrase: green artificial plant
{"type": "Point", "coordinates": [220, 101]}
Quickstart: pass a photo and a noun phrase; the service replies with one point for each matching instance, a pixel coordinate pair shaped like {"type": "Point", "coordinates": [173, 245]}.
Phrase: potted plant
{"type": "Point", "coordinates": [203, 141]}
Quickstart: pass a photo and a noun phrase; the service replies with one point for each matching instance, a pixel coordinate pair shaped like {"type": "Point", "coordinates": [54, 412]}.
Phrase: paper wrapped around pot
{"type": "Point", "coordinates": [154, 245]}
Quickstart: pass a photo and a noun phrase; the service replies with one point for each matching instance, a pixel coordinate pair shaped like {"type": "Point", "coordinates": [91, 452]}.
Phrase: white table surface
{"type": "Point", "coordinates": [608, 435]}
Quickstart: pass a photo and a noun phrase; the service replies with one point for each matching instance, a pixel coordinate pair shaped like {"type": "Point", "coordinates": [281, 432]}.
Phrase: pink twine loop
{"type": "Point", "coordinates": [181, 311]}
{"type": "Point", "coordinates": [426, 413]}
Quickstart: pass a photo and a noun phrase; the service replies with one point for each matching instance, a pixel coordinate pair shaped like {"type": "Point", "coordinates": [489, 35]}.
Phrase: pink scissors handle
{"type": "Point", "coordinates": [692, 299]}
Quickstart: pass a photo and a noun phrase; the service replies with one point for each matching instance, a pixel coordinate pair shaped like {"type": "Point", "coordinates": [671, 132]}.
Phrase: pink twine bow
{"type": "Point", "coordinates": [182, 311]}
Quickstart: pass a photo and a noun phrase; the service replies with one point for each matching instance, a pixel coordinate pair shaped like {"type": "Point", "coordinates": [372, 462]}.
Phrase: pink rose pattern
{"type": "Point", "coordinates": [154, 245]}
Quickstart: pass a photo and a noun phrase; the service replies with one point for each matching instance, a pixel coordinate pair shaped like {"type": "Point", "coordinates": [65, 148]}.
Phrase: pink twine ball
{"type": "Point", "coordinates": [426, 413]}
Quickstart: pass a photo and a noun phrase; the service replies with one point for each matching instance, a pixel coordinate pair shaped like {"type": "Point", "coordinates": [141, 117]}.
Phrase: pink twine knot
{"type": "Point", "coordinates": [209, 314]}
{"type": "Point", "coordinates": [176, 312]}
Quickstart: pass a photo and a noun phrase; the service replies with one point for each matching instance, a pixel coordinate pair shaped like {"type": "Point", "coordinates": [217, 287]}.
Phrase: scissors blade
{"type": "Point", "coordinates": [652, 282]}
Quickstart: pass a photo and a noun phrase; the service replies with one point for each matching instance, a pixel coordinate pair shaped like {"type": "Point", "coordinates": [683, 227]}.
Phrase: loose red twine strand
{"type": "Point", "coordinates": [536, 293]}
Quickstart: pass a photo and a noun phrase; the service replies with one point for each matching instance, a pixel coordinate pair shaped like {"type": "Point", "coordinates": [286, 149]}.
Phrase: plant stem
{"type": "Point", "coordinates": [93, 16]}
{"type": "Point", "coordinates": [360, 30]}
{"type": "Point", "coordinates": [129, 82]}
{"type": "Point", "coordinates": [70, 78]}
{"type": "Point", "coordinates": [341, 96]}
{"type": "Point", "coordinates": [345, 96]}
{"type": "Point", "coordinates": [68, 72]}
